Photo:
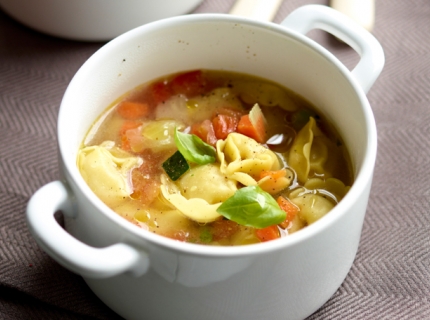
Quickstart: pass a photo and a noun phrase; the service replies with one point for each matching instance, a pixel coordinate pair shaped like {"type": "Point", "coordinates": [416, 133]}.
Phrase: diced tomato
{"type": "Point", "coordinates": [235, 113]}
{"type": "Point", "coordinates": [290, 209]}
{"type": "Point", "coordinates": [132, 110]}
{"type": "Point", "coordinates": [179, 235]}
{"type": "Point", "coordinates": [127, 125]}
{"type": "Point", "coordinates": [190, 83]}
{"type": "Point", "coordinates": [160, 91]}
{"type": "Point", "coordinates": [223, 229]}
{"type": "Point", "coordinates": [205, 131]}
{"type": "Point", "coordinates": [145, 190]}
{"type": "Point", "coordinates": [146, 178]}
{"type": "Point", "coordinates": [223, 125]}
{"type": "Point", "coordinates": [268, 233]}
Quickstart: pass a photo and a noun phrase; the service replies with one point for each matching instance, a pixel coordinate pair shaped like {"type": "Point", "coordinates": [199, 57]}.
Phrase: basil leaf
{"type": "Point", "coordinates": [253, 207]}
{"type": "Point", "coordinates": [175, 166]}
{"type": "Point", "coordinates": [194, 149]}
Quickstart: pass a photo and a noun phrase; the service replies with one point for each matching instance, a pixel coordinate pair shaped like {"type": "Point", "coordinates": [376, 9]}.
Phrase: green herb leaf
{"type": "Point", "coordinates": [176, 166]}
{"type": "Point", "coordinates": [253, 207]}
{"type": "Point", "coordinates": [194, 149]}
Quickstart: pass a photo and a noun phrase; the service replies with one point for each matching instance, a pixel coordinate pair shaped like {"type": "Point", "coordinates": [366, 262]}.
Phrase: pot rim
{"type": "Point", "coordinates": [362, 177]}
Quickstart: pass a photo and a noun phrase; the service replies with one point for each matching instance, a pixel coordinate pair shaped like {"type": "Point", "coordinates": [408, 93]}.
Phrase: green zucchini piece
{"type": "Point", "coordinates": [176, 166]}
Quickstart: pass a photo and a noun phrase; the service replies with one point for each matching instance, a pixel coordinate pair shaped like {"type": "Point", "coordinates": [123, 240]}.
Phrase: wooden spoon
{"type": "Point", "coordinates": [362, 11]}
{"type": "Point", "coordinates": [256, 9]}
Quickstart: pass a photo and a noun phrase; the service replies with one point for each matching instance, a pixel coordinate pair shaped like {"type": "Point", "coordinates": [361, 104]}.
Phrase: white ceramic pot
{"type": "Point", "coordinates": [92, 20]}
{"type": "Point", "coordinates": [141, 275]}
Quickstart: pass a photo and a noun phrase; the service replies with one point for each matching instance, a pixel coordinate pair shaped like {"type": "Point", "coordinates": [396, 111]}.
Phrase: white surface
{"type": "Point", "coordinates": [287, 278]}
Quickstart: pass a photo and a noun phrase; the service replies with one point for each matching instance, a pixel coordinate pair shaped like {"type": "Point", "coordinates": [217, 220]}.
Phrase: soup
{"type": "Point", "coordinates": [215, 158]}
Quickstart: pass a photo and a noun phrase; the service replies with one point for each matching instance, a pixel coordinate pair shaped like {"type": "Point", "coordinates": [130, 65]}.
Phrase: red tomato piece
{"type": "Point", "coordinates": [127, 125]}
{"type": "Point", "coordinates": [223, 125]}
{"type": "Point", "coordinates": [190, 84]}
{"type": "Point", "coordinates": [223, 229]}
{"type": "Point", "coordinates": [160, 91]}
{"type": "Point", "coordinates": [235, 113]}
{"type": "Point", "coordinates": [205, 131]}
{"type": "Point", "coordinates": [144, 189]}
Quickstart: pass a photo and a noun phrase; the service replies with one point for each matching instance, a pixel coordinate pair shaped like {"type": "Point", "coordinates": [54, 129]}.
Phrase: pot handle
{"type": "Point", "coordinates": [71, 253]}
{"type": "Point", "coordinates": [322, 17]}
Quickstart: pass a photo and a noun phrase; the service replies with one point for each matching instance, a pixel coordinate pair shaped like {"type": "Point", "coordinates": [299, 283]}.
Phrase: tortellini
{"type": "Point", "coordinates": [332, 187]}
{"type": "Point", "coordinates": [265, 94]}
{"type": "Point", "coordinates": [199, 192]}
{"type": "Point", "coordinates": [243, 159]}
{"type": "Point", "coordinates": [318, 197]}
{"type": "Point", "coordinates": [106, 169]}
{"type": "Point", "coordinates": [312, 205]}
{"type": "Point", "coordinates": [206, 182]}
{"type": "Point", "coordinates": [307, 151]}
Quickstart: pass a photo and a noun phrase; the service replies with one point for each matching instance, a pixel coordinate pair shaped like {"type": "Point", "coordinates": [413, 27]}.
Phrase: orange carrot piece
{"type": "Point", "coordinates": [277, 174]}
{"type": "Point", "coordinates": [256, 132]}
{"type": "Point", "coordinates": [132, 110]}
{"type": "Point", "coordinates": [290, 209]}
{"type": "Point", "coordinates": [268, 233]}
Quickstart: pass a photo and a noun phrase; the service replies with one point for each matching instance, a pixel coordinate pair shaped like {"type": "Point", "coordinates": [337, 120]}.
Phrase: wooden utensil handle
{"type": "Point", "coordinates": [362, 11]}
{"type": "Point", "coordinates": [256, 9]}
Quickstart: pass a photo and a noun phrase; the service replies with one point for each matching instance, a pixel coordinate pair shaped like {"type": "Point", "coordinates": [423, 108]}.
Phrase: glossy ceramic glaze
{"type": "Point", "coordinates": [92, 20]}
{"type": "Point", "coordinates": [141, 275]}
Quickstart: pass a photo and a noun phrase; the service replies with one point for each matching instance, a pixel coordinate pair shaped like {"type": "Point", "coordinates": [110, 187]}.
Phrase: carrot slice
{"type": "Point", "coordinates": [277, 174]}
{"type": "Point", "coordinates": [253, 125]}
{"type": "Point", "coordinates": [132, 110]}
{"type": "Point", "coordinates": [268, 233]}
{"type": "Point", "coordinates": [290, 209]}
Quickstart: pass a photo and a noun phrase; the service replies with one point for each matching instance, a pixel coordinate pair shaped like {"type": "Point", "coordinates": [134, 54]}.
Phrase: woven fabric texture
{"type": "Point", "coordinates": [390, 278]}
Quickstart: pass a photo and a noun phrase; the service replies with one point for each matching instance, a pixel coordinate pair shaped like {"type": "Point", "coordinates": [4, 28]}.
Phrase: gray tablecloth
{"type": "Point", "coordinates": [390, 278]}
